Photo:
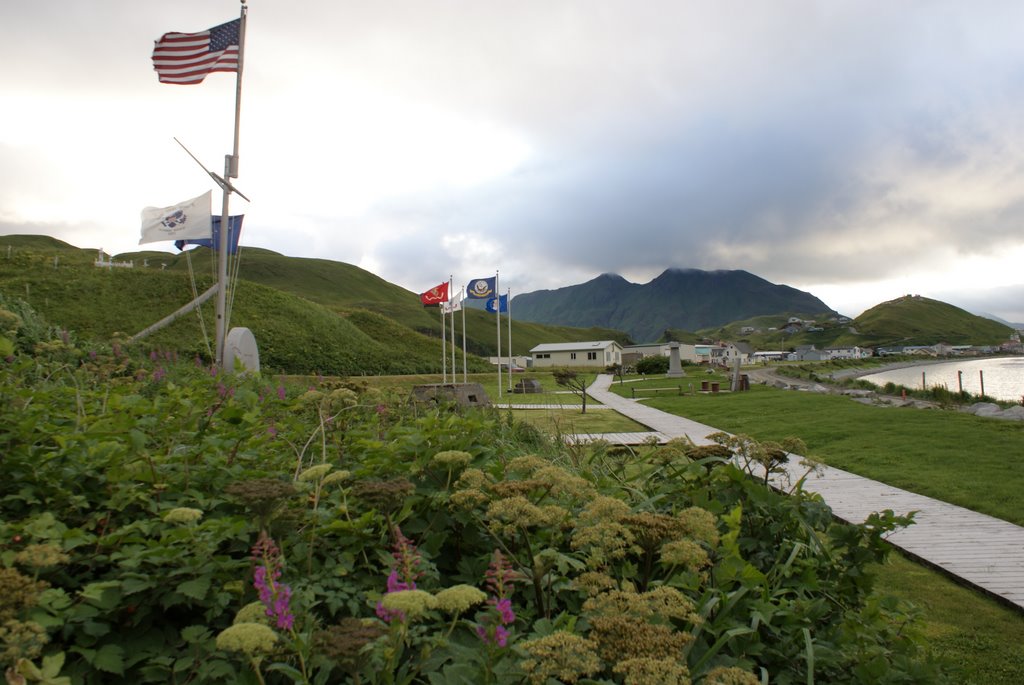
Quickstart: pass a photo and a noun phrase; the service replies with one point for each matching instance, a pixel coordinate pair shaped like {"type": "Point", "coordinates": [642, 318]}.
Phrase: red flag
{"type": "Point", "coordinates": [189, 57]}
{"type": "Point", "coordinates": [435, 295]}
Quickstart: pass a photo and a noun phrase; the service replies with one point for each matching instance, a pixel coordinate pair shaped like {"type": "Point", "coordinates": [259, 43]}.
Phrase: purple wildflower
{"type": "Point", "coordinates": [159, 374]}
{"type": "Point", "coordinates": [153, 356]}
{"type": "Point", "coordinates": [275, 596]}
{"type": "Point", "coordinates": [500, 579]}
{"type": "Point", "coordinates": [281, 393]}
{"type": "Point", "coordinates": [403, 574]}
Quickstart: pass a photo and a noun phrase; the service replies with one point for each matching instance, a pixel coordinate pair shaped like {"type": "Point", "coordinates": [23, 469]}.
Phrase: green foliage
{"type": "Point", "coordinates": [655, 364]}
{"type": "Point", "coordinates": [171, 499]}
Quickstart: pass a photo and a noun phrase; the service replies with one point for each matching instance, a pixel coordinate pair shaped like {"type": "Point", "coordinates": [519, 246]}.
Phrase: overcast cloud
{"type": "Point", "coordinates": [859, 150]}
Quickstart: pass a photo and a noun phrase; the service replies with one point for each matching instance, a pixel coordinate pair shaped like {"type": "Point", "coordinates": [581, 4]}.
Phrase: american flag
{"type": "Point", "coordinates": [189, 57]}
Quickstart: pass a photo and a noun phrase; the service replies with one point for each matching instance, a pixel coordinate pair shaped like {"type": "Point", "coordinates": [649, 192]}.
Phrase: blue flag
{"type": "Point", "coordinates": [481, 288]}
{"type": "Point", "coordinates": [234, 230]}
{"type": "Point", "coordinates": [492, 304]}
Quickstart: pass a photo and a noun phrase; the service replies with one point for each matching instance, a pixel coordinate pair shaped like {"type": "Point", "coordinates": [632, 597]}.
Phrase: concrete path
{"type": "Point", "coordinates": [985, 552]}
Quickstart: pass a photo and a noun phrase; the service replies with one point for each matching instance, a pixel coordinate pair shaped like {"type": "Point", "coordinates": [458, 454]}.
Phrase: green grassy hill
{"type": "Point", "coordinates": [342, 287]}
{"type": "Point", "coordinates": [308, 315]}
{"type": "Point", "coordinates": [916, 320]}
{"type": "Point", "coordinates": [904, 321]}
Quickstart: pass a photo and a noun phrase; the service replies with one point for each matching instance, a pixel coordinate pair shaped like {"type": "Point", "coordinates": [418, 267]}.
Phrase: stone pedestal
{"type": "Point", "coordinates": [675, 369]}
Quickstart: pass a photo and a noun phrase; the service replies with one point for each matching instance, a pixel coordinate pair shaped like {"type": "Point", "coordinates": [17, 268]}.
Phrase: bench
{"type": "Point", "coordinates": [678, 390]}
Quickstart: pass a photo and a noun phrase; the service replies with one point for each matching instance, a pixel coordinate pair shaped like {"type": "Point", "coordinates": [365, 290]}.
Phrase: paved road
{"type": "Point", "coordinates": [983, 551]}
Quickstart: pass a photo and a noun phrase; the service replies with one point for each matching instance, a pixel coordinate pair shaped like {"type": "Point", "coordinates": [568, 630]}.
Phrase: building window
{"type": "Point", "coordinates": [592, 356]}
{"type": "Point", "coordinates": [572, 355]}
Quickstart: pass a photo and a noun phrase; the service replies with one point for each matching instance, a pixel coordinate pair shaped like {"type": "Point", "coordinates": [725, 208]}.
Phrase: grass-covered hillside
{"type": "Point", "coordinates": [910, 320]}
{"type": "Point", "coordinates": [916, 320]}
{"type": "Point", "coordinates": [308, 315]}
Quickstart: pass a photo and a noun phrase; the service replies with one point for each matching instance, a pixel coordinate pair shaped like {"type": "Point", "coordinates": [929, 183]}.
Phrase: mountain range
{"type": "Point", "coordinates": [688, 299]}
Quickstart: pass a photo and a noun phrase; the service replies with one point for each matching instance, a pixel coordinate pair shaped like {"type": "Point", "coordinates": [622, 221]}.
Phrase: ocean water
{"type": "Point", "coordinates": [1003, 376]}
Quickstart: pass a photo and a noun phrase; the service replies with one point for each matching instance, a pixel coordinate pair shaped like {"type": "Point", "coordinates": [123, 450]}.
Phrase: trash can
{"type": "Point", "coordinates": [703, 386]}
{"type": "Point", "coordinates": [714, 387]}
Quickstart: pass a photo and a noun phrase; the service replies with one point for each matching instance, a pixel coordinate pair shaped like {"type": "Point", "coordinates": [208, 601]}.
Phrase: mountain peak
{"type": "Point", "coordinates": [688, 299]}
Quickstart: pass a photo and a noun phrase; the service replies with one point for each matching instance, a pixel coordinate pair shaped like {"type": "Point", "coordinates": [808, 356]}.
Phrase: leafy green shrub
{"type": "Point", "coordinates": [652, 365]}
{"type": "Point", "coordinates": [188, 526]}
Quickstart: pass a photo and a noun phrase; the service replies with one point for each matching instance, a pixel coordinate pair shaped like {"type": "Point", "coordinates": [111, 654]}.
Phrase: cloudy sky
{"type": "Point", "coordinates": [860, 150]}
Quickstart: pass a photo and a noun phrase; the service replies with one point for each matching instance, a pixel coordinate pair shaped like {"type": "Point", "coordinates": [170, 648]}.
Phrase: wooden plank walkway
{"type": "Point", "coordinates": [512, 405]}
{"type": "Point", "coordinates": [982, 551]}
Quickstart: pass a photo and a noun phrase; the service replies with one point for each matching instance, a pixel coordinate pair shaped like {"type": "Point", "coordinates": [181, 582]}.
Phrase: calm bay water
{"type": "Point", "coordinates": [1004, 376]}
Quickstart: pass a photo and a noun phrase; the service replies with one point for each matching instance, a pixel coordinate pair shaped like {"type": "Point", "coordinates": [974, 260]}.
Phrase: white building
{"type": "Point", "coordinates": [848, 352]}
{"type": "Point", "coordinates": [631, 354]}
{"type": "Point", "coordinates": [600, 353]}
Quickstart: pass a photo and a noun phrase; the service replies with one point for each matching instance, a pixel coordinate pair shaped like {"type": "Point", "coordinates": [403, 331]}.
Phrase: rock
{"type": "Point", "coordinates": [1012, 414]}
{"type": "Point", "coordinates": [859, 393]}
{"type": "Point", "coordinates": [984, 409]}
{"type": "Point", "coordinates": [865, 400]}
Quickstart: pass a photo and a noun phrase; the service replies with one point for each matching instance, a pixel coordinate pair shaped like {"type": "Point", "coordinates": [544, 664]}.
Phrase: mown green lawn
{"type": "Point", "coordinates": [975, 634]}
{"type": "Point", "coordinates": [567, 421]}
{"type": "Point", "coordinates": [955, 457]}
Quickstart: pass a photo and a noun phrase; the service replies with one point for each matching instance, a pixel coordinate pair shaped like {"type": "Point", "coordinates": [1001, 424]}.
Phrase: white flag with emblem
{"type": "Point", "coordinates": [185, 220]}
{"type": "Point", "coordinates": [454, 304]}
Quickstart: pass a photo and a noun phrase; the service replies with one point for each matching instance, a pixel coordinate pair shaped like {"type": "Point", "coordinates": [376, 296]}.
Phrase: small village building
{"type": "Point", "coordinates": [765, 356]}
{"type": "Point", "coordinates": [854, 352]}
{"type": "Point", "coordinates": [631, 354]}
{"type": "Point", "coordinates": [808, 353]}
{"type": "Point", "coordinates": [599, 353]}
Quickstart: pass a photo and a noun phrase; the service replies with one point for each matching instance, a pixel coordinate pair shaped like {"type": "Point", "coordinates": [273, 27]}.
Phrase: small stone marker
{"type": "Point", "coordinates": [463, 394]}
{"type": "Point", "coordinates": [240, 346]}
{"type": "Point", "coordinates": [528, 386]}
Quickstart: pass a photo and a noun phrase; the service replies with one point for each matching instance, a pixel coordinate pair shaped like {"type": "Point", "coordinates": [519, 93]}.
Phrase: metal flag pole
{"type": "Point", "coordinates": [462, 298]}
{"type": "Point", "coordinates": [444, 346]}
{"type": "Point", "coordinates": [230, 171]}
{"type": "Point", "coordinates": [452, 313]}
{"type": "Point", "coordinates": [508, 317]}
{"type": "Point", "coordinates": [497, 319]}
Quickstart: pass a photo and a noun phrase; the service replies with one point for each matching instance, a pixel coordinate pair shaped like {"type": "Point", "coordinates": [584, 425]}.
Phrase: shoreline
{"type": "Point", "coordinates": [895, 366]}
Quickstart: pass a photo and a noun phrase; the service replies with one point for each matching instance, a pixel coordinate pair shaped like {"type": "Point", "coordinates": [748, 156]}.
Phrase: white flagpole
{"type": "Point", "coordinates": [230, 171]}
{"type": "Point", "coordinates": [444, 346]}
{"type": "Point", "coordinates": [508, 317]}
{"type": "Point", "coordinates": [497, 319]}
{"type": "Point", "coordinates": [462, 292]}
{"type": "Point", "coordinates": [452, 314]}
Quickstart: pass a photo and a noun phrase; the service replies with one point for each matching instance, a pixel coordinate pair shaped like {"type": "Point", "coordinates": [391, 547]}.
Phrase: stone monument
{"type": "Point", "coordinates": [675, 369]}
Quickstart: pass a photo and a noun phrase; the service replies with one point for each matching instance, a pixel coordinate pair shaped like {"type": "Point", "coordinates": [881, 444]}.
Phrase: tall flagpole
{"type": "Point", "coordinates": [508, 317]}
{"type": "Point", "coordinates": [452, 314]}
{"type": "Point", "coordinates": [497, 319]}
{"type": "Point", "coordinates": [230, 171]}
{"type": "Point", "coordinates": [462, 299]}
{"type": "Point", "coordinates": [444, 347]}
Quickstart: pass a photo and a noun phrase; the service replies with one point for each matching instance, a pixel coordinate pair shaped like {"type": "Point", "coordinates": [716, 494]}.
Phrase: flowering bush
{"type": "Point", "coordinates": [155, 529]}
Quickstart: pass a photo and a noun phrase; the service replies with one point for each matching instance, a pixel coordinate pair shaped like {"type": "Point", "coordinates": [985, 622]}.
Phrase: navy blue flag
{"type": "Point", "coordinates": [481, 288]}
{"type": "Point", "coordinates": [492, 304]}
{"type": "Point", "coordinates": [234, 230]}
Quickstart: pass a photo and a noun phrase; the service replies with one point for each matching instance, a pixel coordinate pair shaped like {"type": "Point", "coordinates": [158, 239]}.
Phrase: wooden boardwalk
{"type": "Point", "coordinates": [982, 551]}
